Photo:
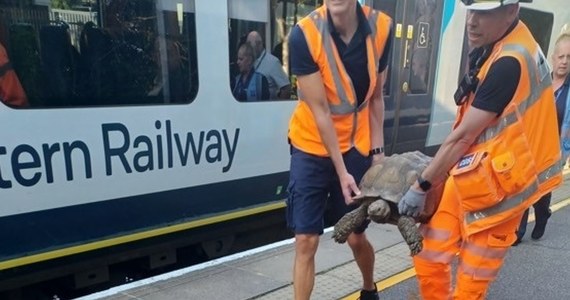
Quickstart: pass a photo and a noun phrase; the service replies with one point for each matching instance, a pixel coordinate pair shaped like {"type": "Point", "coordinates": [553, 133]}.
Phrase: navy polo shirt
{"type": "Point", "coordinates": [353, 55]}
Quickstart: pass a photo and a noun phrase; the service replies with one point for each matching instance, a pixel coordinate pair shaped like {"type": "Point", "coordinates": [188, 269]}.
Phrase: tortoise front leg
{"type": "Point", "coordinates": [411, 234]}
{"type": "Point", "coordinates": [348, 223]}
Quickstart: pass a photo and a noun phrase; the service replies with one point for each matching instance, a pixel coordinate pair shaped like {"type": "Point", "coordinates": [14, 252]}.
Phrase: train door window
{"type": "Point", "coordinates": [422, 45]}
{"type": "Point", "coordinates": [101, 53]}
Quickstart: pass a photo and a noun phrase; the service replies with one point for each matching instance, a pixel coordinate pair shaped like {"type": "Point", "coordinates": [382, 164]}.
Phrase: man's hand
{"type": "Point", "coordinates": [348, 186]}
{"type": "Point", "coordinates": [412, 204]}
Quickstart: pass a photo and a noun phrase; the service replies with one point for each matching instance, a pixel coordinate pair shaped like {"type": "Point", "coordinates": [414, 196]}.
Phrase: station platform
{"type": "Point", "coordinates": [533, 269]}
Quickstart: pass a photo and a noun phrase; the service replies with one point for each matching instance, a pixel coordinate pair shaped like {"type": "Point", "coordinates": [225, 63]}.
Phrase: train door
{"type": "Point", "coordinates": [410, 85]}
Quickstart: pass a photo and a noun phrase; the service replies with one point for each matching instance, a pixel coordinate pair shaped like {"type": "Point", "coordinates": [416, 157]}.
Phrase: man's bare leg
{"type": "Point", "coordinates": [304, 267]}
{"type": "Point", "coordinates": [364, 255]}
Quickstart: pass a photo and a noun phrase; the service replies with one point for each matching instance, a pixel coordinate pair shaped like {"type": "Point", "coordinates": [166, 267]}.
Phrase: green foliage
{"type": "Point", "coordinates": [64, 4]}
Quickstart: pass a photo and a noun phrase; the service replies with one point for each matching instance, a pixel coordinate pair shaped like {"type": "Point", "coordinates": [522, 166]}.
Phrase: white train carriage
{"type": "Point", "coordinates": [132, 134]}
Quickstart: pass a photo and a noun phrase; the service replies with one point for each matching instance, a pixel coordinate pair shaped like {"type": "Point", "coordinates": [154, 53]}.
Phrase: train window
{"type": "Point", "coordinates": [258, 48]}
{"type": "Point", "coordinates": [75, 53]}
{"type": "Point", "coordinates": [540, 23]}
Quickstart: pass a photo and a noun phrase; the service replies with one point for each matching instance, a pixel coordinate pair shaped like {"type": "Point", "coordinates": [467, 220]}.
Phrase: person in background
{"type": "Point", "coordinates": [270, 67]}
{"type": "Point", "coordinates": [11, 91]}
{"type": "Point", "coordinates": [339, 53]}
{"type": "Point", "coordinates": [249, 85]}
{"type": "Point", "coordinates": [502, 155]}
{"type": "Point", "coordinates": [560, 82]}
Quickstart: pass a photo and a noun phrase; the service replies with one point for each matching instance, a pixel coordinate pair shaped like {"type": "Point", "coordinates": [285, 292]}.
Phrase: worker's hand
{"type": "Point", "coordinates": [412, 204]}
{"type": "Point", "coordinates": [348, 186]}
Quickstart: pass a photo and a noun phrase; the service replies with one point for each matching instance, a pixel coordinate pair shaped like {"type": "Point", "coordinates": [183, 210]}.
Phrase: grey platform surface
{"type": "Point", "coordinates": [532, 270]}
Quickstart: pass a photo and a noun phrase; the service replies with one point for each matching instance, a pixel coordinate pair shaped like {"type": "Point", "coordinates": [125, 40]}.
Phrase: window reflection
{"type": "Point", "coordinates": [92, 53]}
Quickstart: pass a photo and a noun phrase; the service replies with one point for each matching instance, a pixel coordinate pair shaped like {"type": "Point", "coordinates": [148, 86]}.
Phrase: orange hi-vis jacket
{"type": "Point", "coordinates": [515, 160]}
{"type": "Point", "coordinates": [11, 91]}
{"type": "Point", "coordinates": [351, 121]}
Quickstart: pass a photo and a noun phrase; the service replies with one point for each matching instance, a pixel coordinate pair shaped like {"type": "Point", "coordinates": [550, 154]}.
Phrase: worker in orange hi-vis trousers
{"type": "Point", "coordinates": [502, 155]}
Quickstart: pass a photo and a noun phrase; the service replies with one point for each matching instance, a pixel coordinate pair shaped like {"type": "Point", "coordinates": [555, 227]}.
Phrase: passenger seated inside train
{"type": "Point", "coordinates": [270, 67]}
{"type": "Point", "coordinates": [249, 85]}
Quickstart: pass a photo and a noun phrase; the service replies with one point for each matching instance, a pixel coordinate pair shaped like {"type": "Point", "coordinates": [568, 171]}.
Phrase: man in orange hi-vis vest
{"type": "Point", "coordinates": [339, 54]}
{"type": "Point", "coordinates": [11, 91]}
{"type": "Point", "coordinates": [502, 155]}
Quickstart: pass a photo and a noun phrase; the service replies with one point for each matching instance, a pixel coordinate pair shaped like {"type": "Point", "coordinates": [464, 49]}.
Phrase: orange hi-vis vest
{"type": "Point", "coordinates": [515, 160]}
{"type": "Point", "coordinates": [351, 121]}
{"type": "Point", "coordinates": [11, 91]}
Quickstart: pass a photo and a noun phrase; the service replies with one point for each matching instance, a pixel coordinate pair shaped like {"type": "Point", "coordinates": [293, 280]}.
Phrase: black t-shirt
{"type": "Point", "coordinates": [499, 86]}
{"type": "Point", "coordinates": [351, 55]}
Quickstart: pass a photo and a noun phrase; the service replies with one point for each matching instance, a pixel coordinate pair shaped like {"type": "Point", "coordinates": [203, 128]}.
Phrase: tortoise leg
{"type": "Point", "coordinates": [348, 223]}
{"type": "Point", "coordinates": [411, 234]}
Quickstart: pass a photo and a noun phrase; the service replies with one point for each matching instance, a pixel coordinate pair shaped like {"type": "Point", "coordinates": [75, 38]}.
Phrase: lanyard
{"type": "Point", "coordinates": [260, 59]}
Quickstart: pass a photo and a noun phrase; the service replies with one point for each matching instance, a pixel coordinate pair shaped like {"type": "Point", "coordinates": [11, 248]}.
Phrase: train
{"type": "Point", "coordinates": [132, 144]}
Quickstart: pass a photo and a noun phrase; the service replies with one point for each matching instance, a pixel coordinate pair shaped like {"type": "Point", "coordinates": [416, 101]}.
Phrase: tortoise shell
{"type": "Point", "coordinates": [393, 176]}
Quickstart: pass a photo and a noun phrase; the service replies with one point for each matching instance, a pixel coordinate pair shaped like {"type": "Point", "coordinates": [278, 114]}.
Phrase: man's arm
{"type": "Point", "coordinates": [377, 116]}
{"type": "Point", "coordinates": [314, 95]}
{"type": "Point", "coordinates": [454, 146]}
{"type": "Point", "coordinates": [492, 97]}
{"type": "Point", "coordinates": [457, 143]}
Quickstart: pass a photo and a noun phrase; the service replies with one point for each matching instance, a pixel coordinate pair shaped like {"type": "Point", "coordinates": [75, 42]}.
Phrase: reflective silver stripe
{"type": "Point", "coordinates": [515, 200]}
{"type": "Point", "coordinates": [485, 252]}
{"type": "Point", "coordinates": [554, 170]}
{"type": "Point", "coordinates": [538, 86]}
{"type": "Point", "coordinates": [493, 131]}
{"type": "Point", "coordinates": [344, 107]}
{"type": "Point", "coordinates": [479, 272]}
{"type": "Point", "coordinates": [434, 233]}
{"type": "Point", "coordinates": [436, 256]}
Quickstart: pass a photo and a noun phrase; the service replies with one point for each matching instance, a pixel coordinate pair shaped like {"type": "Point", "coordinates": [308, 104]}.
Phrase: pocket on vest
{"type": "Point", "coordinates": [475, 182]}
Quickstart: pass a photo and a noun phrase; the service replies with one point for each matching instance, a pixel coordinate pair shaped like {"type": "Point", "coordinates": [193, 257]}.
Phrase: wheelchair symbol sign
{"type": "Point", "coordinates": [423, 35]}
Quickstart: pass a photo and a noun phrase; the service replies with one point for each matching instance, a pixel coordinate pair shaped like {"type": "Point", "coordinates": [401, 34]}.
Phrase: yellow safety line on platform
{"type": "Point", "coordinates": [409, 273]}
{"type": "Point", "coordinates": [388, 282]}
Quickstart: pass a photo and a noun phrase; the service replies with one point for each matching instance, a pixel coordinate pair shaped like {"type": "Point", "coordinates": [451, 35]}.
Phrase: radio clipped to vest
{"type": "Point", "coordinates": [470, 81]}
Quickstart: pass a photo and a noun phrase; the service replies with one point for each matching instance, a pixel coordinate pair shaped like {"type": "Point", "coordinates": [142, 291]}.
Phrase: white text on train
{"type": "Point", "coordinates": [211, 145]}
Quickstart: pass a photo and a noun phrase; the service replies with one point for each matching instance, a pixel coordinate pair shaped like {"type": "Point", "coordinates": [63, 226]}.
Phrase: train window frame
{"type": "Point", "coordinates": [147, 56]}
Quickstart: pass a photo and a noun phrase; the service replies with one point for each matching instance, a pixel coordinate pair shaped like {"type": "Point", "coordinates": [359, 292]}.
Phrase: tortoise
{"type": "Point", "coordinates": [382, 187]}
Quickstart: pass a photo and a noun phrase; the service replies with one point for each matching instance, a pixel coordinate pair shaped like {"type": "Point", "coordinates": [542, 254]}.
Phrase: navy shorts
{"type": "Point", "coordinates": [314, 188]}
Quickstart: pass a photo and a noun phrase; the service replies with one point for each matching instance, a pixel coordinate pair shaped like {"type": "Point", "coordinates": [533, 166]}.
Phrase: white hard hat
{"type": "Point", "coordinates": [489, 4]}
